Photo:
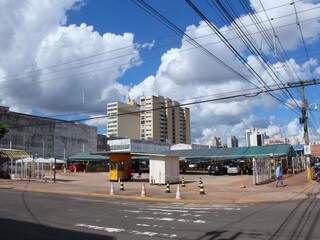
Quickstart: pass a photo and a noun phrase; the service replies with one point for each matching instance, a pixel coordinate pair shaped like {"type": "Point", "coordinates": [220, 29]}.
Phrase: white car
{"type": "Point", "coordinates": [233, 170]}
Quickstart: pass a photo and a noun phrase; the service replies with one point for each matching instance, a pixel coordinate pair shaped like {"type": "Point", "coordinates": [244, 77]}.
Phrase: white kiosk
{"type": "Point", "coordinates": [163, 169]}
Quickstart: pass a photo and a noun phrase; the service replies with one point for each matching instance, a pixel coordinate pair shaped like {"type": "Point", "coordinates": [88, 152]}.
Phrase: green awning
{"type": "Point", "coordinates": [88, 157]}
{"type": "Point", "coordinates": [234, 153]}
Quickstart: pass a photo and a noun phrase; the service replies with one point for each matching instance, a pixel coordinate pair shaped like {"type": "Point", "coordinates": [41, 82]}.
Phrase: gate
{"type": "Point", "coordinates": [262, 170]}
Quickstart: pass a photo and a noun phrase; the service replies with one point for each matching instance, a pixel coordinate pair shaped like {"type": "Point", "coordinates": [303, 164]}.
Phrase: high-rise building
{"type": "Point", "coordinates": [167, 122]}
{"type": "Point", "coordinates": [254, 137]}
{"type": "Point", "coordinates": [123, 120]}
{"type": "Point", "coordinates": [216, 142]}
{"type": "Point", "coordinates": [232, 142]}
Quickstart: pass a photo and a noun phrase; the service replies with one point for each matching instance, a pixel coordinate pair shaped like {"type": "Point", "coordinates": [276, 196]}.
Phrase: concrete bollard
{"type": "Point", "coordinates": [183, 184]}
{"type": "Point", "coordinates": [200, 181]}
{"type": "Point", "coordinates": [121, 186]}
{"type": "Point", "coordinates": [111, 189]}
{"type": "Point", "coordinates": [201, 191]}
{"type": "Point", "coordinates": [178, 193]}
{"type": "Point", "coordinates": [143, 191]}
{"type": "Point", "coordinates": [168, 188]}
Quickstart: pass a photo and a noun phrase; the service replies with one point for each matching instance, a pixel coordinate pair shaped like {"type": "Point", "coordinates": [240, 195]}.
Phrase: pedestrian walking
{"type": "Point", "coordinates": [279, 176]}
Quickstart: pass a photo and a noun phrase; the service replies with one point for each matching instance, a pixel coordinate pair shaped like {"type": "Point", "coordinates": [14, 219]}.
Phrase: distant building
{"type": "Point", "coordinates": [182, 146]}
{"type": "Point", "coordinates": [162, 120]}
{"type": "Point", "coordinates": [46, 137]}
{"type": "Point", "coordinates": [232, 142]}
{"type": "Point", "coordinates": [216, 142]}
{"type": "Point", "coordinates": [276, 140]}
{"type": "Point", "coordinates": [102, 143]}
{"type": "Point", "coordinates": [137, 146]}
{"type": "Point", "coordinates": [254, 137]}
{"type": "Point", "coordinates": [123, 120]}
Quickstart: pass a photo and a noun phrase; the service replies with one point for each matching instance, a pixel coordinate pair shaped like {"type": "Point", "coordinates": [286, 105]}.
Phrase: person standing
{"type": "Point", "coordinates": [279, 176]}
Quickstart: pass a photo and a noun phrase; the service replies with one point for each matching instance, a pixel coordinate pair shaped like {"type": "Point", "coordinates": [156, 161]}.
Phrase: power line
{"type": "Point", "coordinates": [249, 41]}
{"type": "Point", "coordinates": [250, 94]}
{"type": "Point", "coordinates": [113, 66]}
{"type": "Point", "coordinates": [115, 50]}
{"type": "Point", "coordinates": [300, 30]}
{"type": "Point", "coordinates": [268, 39]}
{"type": "Point", "coordinates": [233, 50]}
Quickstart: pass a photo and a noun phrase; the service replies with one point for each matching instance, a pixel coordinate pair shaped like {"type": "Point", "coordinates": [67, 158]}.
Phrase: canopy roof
{"type": "Point", "coordinates": [40, 160]}
{"type": "Point", "coordinates": [235, 153]}
{"type": "Point", "coordinates": [86, 157]}
{"type": "Point", "coordinates": [13, 154]}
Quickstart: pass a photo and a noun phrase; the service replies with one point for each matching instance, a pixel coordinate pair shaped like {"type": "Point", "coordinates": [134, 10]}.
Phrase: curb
{"type": "Point", "coordinates": [309, 189]}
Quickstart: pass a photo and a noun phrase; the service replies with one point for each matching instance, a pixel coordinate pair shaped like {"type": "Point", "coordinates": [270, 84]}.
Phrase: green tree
{"type": "Point", "coordinates": [3, 130]}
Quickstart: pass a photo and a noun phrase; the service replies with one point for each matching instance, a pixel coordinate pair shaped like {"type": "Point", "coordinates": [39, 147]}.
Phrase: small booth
{"type": "Point", "coordinates": [120, 166]}
{"type": "Point", "coordinates": [163, 169]}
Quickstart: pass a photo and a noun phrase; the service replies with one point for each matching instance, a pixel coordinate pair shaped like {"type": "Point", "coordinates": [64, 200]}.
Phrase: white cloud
{"type": "Point", "coordinates": [185, 73]}
{"type": "Point", "coordinates": [31, 41]}
{"type": "Point", "coordinates": [97, 122]}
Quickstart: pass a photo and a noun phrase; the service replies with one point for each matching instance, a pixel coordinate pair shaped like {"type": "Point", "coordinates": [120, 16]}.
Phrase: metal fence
{"type": "Point", "coordinates": [262, 170]}
{"type": "Point", "coordinates": [32, 171]}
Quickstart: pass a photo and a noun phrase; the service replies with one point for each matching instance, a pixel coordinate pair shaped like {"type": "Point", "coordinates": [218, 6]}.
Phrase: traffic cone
{"type": "Point", "coordinates": [183, 183]}
{"type": "Point", "coordinates": [242, 185]}
{"type": "Point", "coordinates": [178, 193]}
{"type": "Point", "coordinates": [200, 181]}
{"type": "Point", "coordinates": [143, 190]}
{"type": "Point", "coordinates": [111, 189]}
{"type": "Point", "coordinates": [201, 189]}
{"type": "Point", "coordinates": [168, 188]}
{"type": "Point", "coordinates": [121, 186]}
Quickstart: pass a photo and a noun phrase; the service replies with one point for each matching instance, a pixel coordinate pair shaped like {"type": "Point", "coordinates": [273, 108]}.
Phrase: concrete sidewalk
{"type": "Point", "coordinates": [218, 189]}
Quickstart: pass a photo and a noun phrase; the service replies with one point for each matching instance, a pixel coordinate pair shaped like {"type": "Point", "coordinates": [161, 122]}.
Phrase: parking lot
{"type": "Point", "coordinates": [218, 189]}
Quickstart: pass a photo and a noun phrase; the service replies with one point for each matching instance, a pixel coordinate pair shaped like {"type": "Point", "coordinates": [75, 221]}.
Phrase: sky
{"type": "Point", "coordinates": [68, 58]}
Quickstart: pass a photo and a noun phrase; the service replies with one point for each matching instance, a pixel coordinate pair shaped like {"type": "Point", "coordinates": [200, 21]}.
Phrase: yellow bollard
{"type": "Point", "coordinates": [309, 174]}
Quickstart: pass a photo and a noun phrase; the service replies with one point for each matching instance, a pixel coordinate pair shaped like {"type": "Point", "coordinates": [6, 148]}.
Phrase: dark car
{"type": "Point", "coordinates": [316, 172]}
{"type": "Point", "coordinates": [217, 169]}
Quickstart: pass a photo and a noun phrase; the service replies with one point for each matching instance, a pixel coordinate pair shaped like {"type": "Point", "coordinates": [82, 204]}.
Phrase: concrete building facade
{"type": "Point", "coordinates": [46, 137]}
{"type": "Point", "coordinates": [216, 142]}
{"type": "Point", "coordinates": [123, 120]}
{"type": "Point", "coordinates": [232, 142]}
{"type": "Point", "coordinates": [254, 137]}
{"type": "Point", "coordinates": [169, 123]}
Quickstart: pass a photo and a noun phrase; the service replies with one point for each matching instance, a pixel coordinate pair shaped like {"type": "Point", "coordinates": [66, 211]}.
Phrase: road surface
{"type": "Point", "coordinates": [26, 215]}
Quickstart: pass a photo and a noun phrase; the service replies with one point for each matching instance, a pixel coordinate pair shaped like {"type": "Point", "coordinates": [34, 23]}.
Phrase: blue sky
{"type": "Point", "coordinates": [166, 65]}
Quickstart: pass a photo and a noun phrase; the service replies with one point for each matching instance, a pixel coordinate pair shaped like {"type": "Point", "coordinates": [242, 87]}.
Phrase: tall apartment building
{"type": "Point", "coordinates": [216, 142]}
{"type": "Point", "coordinates": [170, 124]}
{"type": "Point", "coordinates": [232, 142]}
{"type": "Point", "coordinates": [123, 120]}
{"type": "Point", "coordinates": [254, 137]}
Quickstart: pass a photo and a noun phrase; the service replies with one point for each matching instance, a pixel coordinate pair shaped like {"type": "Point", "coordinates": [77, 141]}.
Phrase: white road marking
{"type": "Point", "coordinates": [149, 225]}
{"type": "Point", "coordinates": [166, 210]}
{"type": "Point", "coordinates": [162, 213]}
{"type": "Point", "coordinates": [190, 214]}
{"type": "Point", "coordinates": [118, 230]}
{"type": "Point", "coordinates": [105, 229]}
{"type": "Point", "coordinates": [131, 211]}
{"type": "Point", "coordinates": [172, 219]}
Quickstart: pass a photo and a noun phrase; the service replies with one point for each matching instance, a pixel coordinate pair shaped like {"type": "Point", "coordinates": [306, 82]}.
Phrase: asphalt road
{"type": "Point", "coordinates": [26, 215]}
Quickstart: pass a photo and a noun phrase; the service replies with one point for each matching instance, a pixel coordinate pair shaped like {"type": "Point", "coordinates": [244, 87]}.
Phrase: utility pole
{"type": "Point", "coordinates": [304, 116]}
{"type": "Point", "coordinates": [304, 121]}
{"type": "Point", "coordinates": [54, 170]}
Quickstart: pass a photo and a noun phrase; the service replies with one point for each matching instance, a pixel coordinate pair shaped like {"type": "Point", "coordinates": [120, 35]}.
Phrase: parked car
{"type": "Point", "coordinates": [233, 170]}
{"type": "Point", "coordinates": [217, 169]}
{"type": "Point", "coordinates": [316, 172]}
{"type": "Point", "coordinates": [76, 167]}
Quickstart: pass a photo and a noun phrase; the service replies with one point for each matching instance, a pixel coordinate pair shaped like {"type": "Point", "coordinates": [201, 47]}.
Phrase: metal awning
{"type": "Point", "coordinates": [13, 154]}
